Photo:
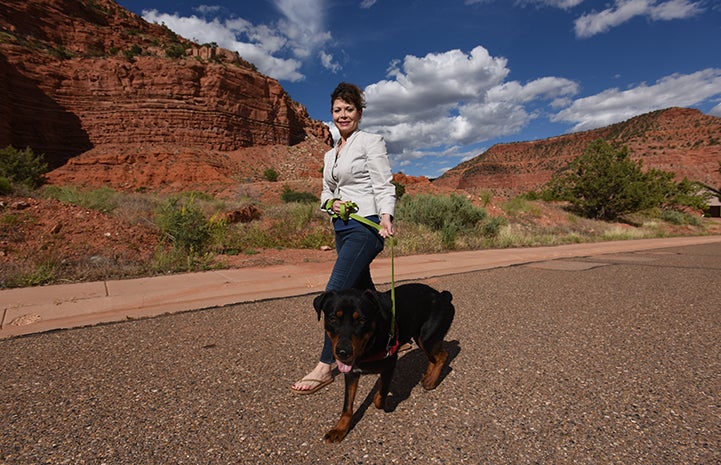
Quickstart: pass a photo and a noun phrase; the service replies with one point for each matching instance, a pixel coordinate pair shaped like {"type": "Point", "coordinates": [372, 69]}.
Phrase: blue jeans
{"type": "Point", "coordinates": [357, 245]}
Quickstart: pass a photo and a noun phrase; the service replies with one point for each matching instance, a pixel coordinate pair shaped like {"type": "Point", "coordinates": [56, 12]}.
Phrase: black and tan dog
{"type": "Point", "coordinates": [359, 326]}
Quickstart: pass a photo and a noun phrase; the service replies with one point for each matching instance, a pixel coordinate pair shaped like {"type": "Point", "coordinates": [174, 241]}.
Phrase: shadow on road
{"type": "Point", "coordinates": [408, 375]}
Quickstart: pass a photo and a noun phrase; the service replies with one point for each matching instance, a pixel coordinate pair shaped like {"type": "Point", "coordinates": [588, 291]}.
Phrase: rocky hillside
{"type": "Point", "coordinates": [88, 81]}
{"type": "Point", "coordinates": [684, 141]}
{"type": "Point", "coordinates": [112, 100]}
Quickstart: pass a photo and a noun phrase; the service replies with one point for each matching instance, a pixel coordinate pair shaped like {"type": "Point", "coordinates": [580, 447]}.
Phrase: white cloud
{"type": "Point", "coordinates": [278, 50]}
{"type": "Point", "coordinates": [622, 11]}
{"type": "Point", "coordinates": [565, 4]}
{"type": "Point", "coordinates": [365, 4]}
{"type": "Point", "coordinates": [208, 9]}
{"type": "Point", "coordinates": [716, 111]}
{"type": "Point", "coordinates": [326, 59]}
{"type": "Point", "coordinates": [614, 105]}
{"type": "Point", "coordinates": [675, 9]}
{"type": "Point", "coordinates": [303, 25]}
{"type": "Point", "coordinates": [439, 101]}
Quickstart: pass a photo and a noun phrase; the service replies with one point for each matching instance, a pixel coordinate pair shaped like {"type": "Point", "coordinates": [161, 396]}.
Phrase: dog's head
{"type": "Point", "coordinates": [352, 317]}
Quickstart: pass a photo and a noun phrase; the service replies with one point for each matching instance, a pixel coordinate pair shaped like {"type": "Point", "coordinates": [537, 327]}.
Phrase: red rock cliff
{"type": "Point", "coordinates": [77, 75]}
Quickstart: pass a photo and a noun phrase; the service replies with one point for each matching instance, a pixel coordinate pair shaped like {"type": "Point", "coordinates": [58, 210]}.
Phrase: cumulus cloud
{"type": "Point", "coordinates": [278, 50]}
{"type": "Point", "coordinates": [328, 62]}
{"type": "Point", "coordinates": [442, 101]}
{"type": "Point", "coordinates": [303, 25]}
{"type": "Point", "coordinates": [622, 11]}
{"type": "Point", "coordinates": [614, 105]}
{"type": "Point", "coordinates": [444, 104]}
{"type": "Point", "coordinates": [716, 111]}
{"type": "Point", "coordinates": [564, 4]}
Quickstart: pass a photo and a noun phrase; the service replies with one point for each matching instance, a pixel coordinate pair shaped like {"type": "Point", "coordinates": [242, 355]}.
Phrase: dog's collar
{"type": "Point", "coordinates": [390, 349]}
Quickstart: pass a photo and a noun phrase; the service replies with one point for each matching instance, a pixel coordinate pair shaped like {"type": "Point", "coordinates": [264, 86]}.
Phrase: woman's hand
{"type": "Point", "coordinates": [335, 208]}
{"type": "Point", "coordinates": [387, 228]}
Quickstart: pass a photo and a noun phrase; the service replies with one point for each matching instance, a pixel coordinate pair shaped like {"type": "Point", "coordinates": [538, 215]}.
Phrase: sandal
{"type": "Point", "coordinates": [319, 384]}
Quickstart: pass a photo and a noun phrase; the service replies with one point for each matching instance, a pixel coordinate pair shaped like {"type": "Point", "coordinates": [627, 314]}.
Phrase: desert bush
{"type": "Point", "coordinates": [184, 225]}
{"type": "Point", "coordinates": [604, 183]}
{"type": "Point", "coordinates": [400, 190]}
{"type": "Point", "coordinates": [491, 226]}
{"type": "Point", "coordinates": [679, 218]}
{"type": "Point", "coordinates": [288, 196]}
{"type": "Point", "coordinates": [175, 50]}
{"type": "Point", "coordinates": [22, 167]}
{"type": "Point", "coordinates": [6, 186]}
{"type": "Point", "coordinates": [132, 52]}
{"type": "Point", "coordinates": [300, 225]}
{"type": "Point", "coordinates": [485, 197]}
{"type": "Point", "coordinates": [450, 215]}
{"type": "Point", "coordinates": [270, 175]}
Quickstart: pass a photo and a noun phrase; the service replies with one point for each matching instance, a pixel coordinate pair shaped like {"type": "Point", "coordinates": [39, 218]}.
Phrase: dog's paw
{"type": "Point", "coordinates": [429, 383]}
{"type": "Point", "coordinates": [379, 401]}
{"type": "Point", "coordinates": [334, 435]}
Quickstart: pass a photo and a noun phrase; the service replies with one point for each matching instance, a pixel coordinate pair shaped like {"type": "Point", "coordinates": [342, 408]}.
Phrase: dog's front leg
{"type": "Point", "coordinates": [341, 428]}
{"type": "Point", "coordinates": [386, 376]}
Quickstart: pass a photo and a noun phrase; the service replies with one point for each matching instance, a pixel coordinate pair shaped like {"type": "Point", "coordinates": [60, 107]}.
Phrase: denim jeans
{"type": "Point", "coordinates": [356, 245]}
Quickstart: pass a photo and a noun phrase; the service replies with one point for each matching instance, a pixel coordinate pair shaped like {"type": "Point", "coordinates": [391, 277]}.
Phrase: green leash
{"type": "Point", "coordinates": [347, 211]}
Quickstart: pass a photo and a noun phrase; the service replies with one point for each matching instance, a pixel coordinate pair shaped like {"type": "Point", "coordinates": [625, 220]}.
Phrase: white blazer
{"type": "Point", "coordinates": [360, 172]}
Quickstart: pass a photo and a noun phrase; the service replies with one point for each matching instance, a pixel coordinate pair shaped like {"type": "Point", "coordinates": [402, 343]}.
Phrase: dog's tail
{"type": "Point", "coordinates": [446, 296]}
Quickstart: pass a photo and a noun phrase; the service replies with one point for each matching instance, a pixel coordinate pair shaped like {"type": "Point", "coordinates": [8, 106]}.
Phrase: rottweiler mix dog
{"type": "Point", "coordinates": [358, 323]}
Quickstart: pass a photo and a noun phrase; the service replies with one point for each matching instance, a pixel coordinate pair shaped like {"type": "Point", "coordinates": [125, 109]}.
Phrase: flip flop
{"type": "Point", "coordinates": [320, 384]}
{"type": "Point", "coordinates": [405, 347]}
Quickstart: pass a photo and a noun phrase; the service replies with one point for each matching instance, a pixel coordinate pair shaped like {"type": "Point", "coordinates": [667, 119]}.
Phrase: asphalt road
{"type": "Point", "coordinates": [612, 359]}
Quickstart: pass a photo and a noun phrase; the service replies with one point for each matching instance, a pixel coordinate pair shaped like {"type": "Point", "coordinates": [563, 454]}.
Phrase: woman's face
{"type": "Point", "coordinates": [345, 117]}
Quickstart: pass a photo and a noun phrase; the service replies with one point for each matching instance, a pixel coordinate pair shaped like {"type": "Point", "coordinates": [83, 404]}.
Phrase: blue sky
{"type": "Point", "coordinates": [447, 79]}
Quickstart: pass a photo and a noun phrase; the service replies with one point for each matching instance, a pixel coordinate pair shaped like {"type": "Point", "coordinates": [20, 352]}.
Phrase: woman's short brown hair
{"type": "Point", "coordinates": [349, 93]}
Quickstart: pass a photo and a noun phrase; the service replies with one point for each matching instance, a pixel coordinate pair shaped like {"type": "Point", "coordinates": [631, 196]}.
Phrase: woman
{"type": "Point", "coordinates": [356, 170]}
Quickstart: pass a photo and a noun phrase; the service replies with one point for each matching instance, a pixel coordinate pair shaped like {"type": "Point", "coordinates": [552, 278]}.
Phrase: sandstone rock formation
{"type": "Point", "coordinates": [681, 140]}
{"type": "Point", "coordinates": [78, 75]}
{"type": "Point", "coordinates": [112, 100]}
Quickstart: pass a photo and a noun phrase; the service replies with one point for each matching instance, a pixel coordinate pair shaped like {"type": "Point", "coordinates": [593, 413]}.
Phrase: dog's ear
{"type": "Point", "coordinates": [382, 301]}
{"type": "Point", "coordinates": [320, 300]}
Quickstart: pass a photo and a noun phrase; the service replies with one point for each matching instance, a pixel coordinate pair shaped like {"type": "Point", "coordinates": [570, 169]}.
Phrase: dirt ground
{"type": "Point", "coordinates": [34, 231]}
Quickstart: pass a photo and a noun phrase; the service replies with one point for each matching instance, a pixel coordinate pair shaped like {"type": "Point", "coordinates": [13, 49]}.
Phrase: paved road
{"type": "Point", "coordinates": [611, 359]}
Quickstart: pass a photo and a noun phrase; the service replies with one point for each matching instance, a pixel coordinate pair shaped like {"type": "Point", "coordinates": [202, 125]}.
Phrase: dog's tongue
{"type": "Point", "coordinates": [343, 368]}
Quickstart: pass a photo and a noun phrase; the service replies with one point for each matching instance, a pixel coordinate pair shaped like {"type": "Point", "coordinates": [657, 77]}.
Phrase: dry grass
{"type": "Point", "coordinates": [291, 227]}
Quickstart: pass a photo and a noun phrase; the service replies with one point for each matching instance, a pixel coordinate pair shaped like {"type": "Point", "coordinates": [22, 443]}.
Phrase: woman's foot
{"type": "Point", "coordinates": [321, 376]}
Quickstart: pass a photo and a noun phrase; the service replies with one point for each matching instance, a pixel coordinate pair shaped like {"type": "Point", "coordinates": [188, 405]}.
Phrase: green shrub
{"type": "Point", "coordinates": [400, 189]}
{"type": "Point", "coordinates": [6, 186]}
{"type": "Point", "coordinates": [61, 53]}
{"type": "Point", "coordinates": [132, 52]}
{"type": "Point", "coordinates": [184, 225]}
{"type": "Point", "coordinates": [604, 183]}
{"type": "Point", "coordinates": [22, 166]}
{"type": "Point", "coordinates": [492, 226]}
{"type": "Point", "coordinates": [289, 196]}
{"type": "Point", "coordinates": [175, 50]}
{"type": "Point", "coordinates": [679, 218]}
{"type": "Point", "coordinates": [270, 175]}
{"type": "Point", "coordinates": [449, 215]}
